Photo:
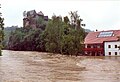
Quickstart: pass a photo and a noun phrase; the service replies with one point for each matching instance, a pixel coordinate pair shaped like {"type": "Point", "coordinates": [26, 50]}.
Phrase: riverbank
{"type": "Point", "coordinates": [25, 66]}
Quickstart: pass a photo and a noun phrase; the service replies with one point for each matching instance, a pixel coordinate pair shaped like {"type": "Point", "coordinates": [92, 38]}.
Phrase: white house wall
{"type": "Point", "coordinates": [112, 49]}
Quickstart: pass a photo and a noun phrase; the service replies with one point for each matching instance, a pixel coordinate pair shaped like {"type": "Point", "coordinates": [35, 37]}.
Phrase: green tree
{"type": "Point", "coordinates": [72, 41]}
{"type": "Point", "coordinates": [59, 36]}
{"type": "Point", "coordinates": [66, 20]}
{"type": "Point", "coordinates": [53, 34]}
{"type": "Point", "coordinates": [1, 32]}
{"type": "Point", "coordinates": [15, 39]}
{"type": "Point", "coordinates": [26, 39]}
{"type": "Point", "coordinates": [62, 38]}
{"type": "Point", "coordinates": [40, 22]}
{"type": "Point", "coordinates": [76, 20]}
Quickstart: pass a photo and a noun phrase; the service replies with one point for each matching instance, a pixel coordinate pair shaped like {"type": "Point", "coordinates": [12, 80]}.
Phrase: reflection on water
{"type": "Point", "coordinates": [20, 66]}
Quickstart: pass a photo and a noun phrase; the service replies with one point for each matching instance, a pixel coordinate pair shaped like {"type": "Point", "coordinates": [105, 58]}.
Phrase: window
{"type": "Point", "coordinates": [98, 46]}
{"type": "Point", "coordinates": [109, 53]}
{"type": "Point", "coordinates": [116, 46]}
{"type": "Point", "coordinates": [88, 46]}
{"type": "Point", "coordinates": [115, 53]}
{"type": "Point", "coordinates": [109, 46]}
{"type": "Point", "coordinates": [88, 52]}
{"type": "Point", "coordinates": [94, 46]}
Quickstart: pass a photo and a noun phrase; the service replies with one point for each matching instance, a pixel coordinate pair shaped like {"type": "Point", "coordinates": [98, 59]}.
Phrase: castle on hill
{"type": "Point", "coordinates": [34, 19]}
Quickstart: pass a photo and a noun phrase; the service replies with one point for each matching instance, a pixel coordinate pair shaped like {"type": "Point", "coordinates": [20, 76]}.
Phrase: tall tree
{"type": "Point", "coordinates": [53, 34]}
{"type": "Point", "coordinates": [1, 31]}
{"type": "Point", "coordinates": [61, 38]}
{"type": "Point", "coordinates": [76, 20]}
{"type": "Point", "coordinates": [66, 19]}
{"type": "Point", "coordinates": [58, 37]}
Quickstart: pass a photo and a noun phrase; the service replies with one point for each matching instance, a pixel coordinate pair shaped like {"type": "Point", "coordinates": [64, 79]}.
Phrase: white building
{"type": "Point", "coordinates": [111, 48]}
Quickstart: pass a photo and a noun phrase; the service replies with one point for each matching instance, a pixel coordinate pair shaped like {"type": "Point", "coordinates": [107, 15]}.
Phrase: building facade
{"type": "Point", "coordinates": [94, 49]}
{"type": "Point", "coordinates": [111, 48]}
{"type": "Point", "coordinates": [98, 43]}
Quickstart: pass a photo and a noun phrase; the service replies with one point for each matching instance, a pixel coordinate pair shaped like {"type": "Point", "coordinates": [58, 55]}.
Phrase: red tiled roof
{"type": "Point", "coordinates": [92, 38]}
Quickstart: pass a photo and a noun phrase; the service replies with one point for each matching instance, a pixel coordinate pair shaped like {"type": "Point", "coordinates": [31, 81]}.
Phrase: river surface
{"type": "Point", "coordinates": [26, 66]}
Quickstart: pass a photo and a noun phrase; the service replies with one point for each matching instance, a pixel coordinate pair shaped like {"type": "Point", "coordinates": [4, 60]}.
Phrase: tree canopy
{"type": "Point", "coordinates": [61, 35]}
{"type": "Point", "coordinates": [1, 31]}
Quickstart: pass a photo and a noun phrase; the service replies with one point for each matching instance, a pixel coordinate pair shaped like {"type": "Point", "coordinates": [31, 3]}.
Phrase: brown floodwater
{"type": "Point", "coordinates": [26, 66]}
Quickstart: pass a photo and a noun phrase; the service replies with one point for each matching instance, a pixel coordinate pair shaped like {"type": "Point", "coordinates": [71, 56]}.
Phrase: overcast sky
{"type": "Point", "coordinates": [101, 15]}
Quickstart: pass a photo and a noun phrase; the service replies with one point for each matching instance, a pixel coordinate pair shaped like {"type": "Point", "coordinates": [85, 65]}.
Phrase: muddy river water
{"type": "Point", "coordinates": [24, 66]}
